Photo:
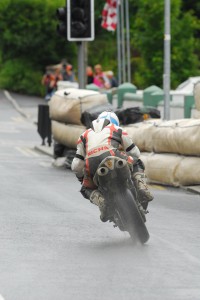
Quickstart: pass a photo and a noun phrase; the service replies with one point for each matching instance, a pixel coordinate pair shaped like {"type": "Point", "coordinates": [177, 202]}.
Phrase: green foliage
{"type": "Point", "coordinates": [19, 76]}
{"type": "Point", "coordinates": [28, 32]}
{"type": "Point", "coordinates": [185, 62]}
{"type": "Point", "coordinates": [28, 42]}
{"type": "Point", "coordinates": [108, 58]}
{"type": "Point", "coordinates": [148, 32]}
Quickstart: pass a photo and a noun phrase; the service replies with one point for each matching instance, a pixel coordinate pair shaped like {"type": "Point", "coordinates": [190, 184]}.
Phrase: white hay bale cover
{"type": "Point", "coordinates": [161, 168]}
{"type": "Point", "coordinates": [196, 114]}
{"type": "Point", "coordinates": [67, 105]}
{"type": "Point", "coordinates": [172, 169]}
{"type": "Point", "coordinates": [196, 92]}
{"type": "Point", "coordinates": [66, 134]}
{"type": "Point", "coordinates": [179, 136]}
{"type": "Point", "coordinates": [188, 171]}
{"type": "Point", "coordinates": [142, 133]}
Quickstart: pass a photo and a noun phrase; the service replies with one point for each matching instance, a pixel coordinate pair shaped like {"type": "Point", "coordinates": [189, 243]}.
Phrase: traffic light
{"type": "Point", "coordinates": [62, 17]}
{"type": "Point", "coordinates": [80, 20]}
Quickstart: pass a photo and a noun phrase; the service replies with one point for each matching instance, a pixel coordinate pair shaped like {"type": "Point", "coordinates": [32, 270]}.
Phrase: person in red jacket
{"type": "Point", "coordinates": [103, 139]}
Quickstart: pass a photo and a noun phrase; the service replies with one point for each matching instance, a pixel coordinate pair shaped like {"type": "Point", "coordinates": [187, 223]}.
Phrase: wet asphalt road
{"type": "Point", "coordinates": [53, 246]}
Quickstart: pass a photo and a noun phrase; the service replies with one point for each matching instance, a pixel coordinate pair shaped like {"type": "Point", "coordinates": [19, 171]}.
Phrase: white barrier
{"type": "Point", "coordinates": [177, 136]}
{"type": "Point", "coordinates": [172, 169]}
{"type": "Point", "coordinates": [66, 134]}
{"type": "Point", "coordinates": [164, 168]}
{"type": "Point", "coordinates": [62, 85]}
{"type": "Point", "coordinates": [67, 105]}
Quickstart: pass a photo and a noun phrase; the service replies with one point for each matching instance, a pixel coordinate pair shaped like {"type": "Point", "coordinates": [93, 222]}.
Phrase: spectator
{"type": "Point", "coordinates": [102, 82]}
{"type": "Point", "coordinates": [112, 79]}
{"type": "Point", "coordinates": [100, 78]}
{"type": "Point", "coordinates": [90, 75]}
{"type": "Point", "coordinates": [67, 72]}
{"type": "Point", "coordinates": [70, 73]}
{"type": "Point", "coordinates": [58, 77]}
{"type": "Point", "coordinates": [49, 81]}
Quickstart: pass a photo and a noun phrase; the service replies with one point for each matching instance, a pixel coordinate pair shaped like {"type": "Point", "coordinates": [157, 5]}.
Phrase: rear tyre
{"type": "Point", "coordinates": [131, 217]}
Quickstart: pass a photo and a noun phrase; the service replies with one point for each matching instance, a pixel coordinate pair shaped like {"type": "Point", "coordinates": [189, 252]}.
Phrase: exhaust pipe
{"type": "Point", "coordinates": [102, 171]}
{"type": "Point", "coordinates": [120, 164]}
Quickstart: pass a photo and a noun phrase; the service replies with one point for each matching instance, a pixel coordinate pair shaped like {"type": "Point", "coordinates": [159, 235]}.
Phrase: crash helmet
{"type": "Point", "coordinates": [110, 116]}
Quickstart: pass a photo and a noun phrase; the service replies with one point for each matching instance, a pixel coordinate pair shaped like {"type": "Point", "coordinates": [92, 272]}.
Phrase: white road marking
{"type": "Point", "coordinates": [32, 152]}
{"type": "Point", "coordinates": [27, 152]}
{"type": "Point", "coordinates": [18, 119]}
{"type": "Point", "coordinates": [22, 151]}
{"type": "Point", "coordinates": [1, 298]}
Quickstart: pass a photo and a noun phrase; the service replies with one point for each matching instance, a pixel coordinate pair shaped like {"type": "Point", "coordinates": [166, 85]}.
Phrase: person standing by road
{"type": "Point", "coordinates": [67, 72]}
{"type": "Point", "coordinates": [112, 79]}
{"type": "Point", "coordinates": [100, 78]}
{"type": "Point", "coordinates": [89, 74]}
{"type": "Point", "coordinates": [49, 81]}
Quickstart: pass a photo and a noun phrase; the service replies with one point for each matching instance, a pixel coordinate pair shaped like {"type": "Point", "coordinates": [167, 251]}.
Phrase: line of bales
{"type": "Point", "coordinates": [170, 150]}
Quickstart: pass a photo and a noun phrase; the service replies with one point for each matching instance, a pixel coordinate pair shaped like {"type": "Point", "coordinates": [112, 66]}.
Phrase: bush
{"type": "Point", "coordinates": [29, 43]}
{"type": "Point", "coordinates": [19, 76]}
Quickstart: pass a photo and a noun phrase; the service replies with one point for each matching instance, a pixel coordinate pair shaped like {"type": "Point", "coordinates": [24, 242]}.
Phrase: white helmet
{"type": "Point", "coordinates": [110, 116]}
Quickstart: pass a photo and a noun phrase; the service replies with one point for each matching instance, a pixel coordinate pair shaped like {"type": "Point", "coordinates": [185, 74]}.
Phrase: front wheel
{"type": "Point", "coordinates": [131, 217]}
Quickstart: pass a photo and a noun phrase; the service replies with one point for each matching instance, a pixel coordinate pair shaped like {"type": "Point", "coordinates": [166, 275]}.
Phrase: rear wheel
{"type": "Point", "coordinates": [131, 217]}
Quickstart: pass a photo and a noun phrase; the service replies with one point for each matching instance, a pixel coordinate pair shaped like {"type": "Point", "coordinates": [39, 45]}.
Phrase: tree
{"type": "Point", "coordinates": [29, 30]}
{"type": "Point", "coordinates": [28, 42]}
{"type": "Point", "coordinates": [28, 36]}
{"type": "Point", "coordinates": [148, 32]}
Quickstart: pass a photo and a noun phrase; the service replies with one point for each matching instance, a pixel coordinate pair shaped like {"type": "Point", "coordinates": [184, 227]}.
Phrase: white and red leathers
{"type": "Point", "coordinates": [103, 139]}
{"type": "Point", "coordinates": [106, 138]}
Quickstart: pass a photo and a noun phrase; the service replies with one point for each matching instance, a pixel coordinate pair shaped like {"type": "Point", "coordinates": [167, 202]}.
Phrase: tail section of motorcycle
{"type": "Point", "coordinates": [113, 179]}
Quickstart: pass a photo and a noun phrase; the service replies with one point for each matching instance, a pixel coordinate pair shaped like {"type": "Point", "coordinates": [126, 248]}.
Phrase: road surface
{"type": "Point", "coordinates": [53, 245]}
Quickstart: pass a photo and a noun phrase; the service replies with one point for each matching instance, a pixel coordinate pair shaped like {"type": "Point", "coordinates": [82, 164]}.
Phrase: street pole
{"type": "Point", "coordinates": [167, 61]}
{"type": "Point", "coordinates": [81, 65]}
{"type": "Point", "coordinates": [119, 43]}
{"type": "Point", "coordinates": [128, 42]}
{"type": "Point", "coordinates": [123, 42]}
{"type": "Point", "coordinates": [85, 61]}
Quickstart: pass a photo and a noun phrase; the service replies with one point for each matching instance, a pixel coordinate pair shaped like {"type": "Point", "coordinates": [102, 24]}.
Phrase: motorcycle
{"type": "Point", "coordinates": [113, 178]}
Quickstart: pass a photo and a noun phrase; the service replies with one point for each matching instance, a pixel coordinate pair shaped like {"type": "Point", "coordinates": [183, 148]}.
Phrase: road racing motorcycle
{"type": "Point", "coordinates": [113, 178]}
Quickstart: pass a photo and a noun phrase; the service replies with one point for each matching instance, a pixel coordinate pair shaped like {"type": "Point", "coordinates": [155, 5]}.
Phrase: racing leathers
{"type": "Point", "coordinates": [101, 140]}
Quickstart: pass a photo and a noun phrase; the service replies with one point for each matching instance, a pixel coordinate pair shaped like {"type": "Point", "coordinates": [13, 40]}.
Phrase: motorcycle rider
{"type": "Point", "coordinates": [103, 139]}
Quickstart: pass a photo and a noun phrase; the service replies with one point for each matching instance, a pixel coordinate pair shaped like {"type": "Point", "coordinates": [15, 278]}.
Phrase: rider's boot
{"type": "Point", "coordinates": [144, 195]}
{"type": "Point", "coordinates": [97, 198]}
